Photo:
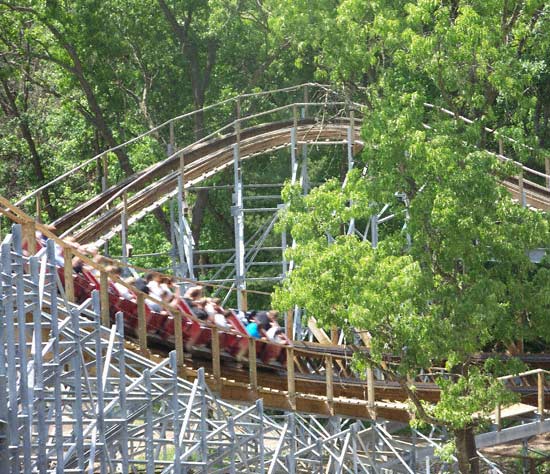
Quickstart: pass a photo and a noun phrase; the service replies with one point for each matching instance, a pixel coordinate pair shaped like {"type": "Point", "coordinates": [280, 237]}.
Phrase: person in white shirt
{"type": "Point", "coordinates": [122, 290]}
{"type": "Point", "coordinates": [154, 280]}
{"type": "Point", "coordinates": [277, 334]}
{"type": "Point", "coordinates": [215, 312]}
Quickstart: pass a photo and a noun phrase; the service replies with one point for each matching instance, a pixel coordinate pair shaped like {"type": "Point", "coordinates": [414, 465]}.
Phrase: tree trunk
{"type": "Point", "coordinates": [200, 75]}
{"type": "Point", "coordinates": [36, 159]}
{"type": "Point", "coordinates": [466, 452]}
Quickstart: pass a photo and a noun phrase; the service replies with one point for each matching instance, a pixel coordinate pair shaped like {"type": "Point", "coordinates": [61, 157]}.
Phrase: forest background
{"type": "Point", "coordinates": [79, 77]}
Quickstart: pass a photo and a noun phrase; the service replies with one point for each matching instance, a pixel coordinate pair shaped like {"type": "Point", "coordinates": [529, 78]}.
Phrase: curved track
{"type": "Point", "coordinates": [314, 378]}
{"type": "Point", "coordinates": [157, 183]}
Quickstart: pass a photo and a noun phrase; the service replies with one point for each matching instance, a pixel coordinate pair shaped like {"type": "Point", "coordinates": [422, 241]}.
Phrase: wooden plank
{"type": "Point", "coordinates": [38, 206]}
{"type": "Point", "coordinates": [29, 236]}
{"type": "Point", "coordinates": [252, 364]}
{"type": "Point", "coordinates": [540, 393]}
{"type": "Point", "coordinates": [178, 338]}
{"type": "Point", "coordinates": [290, 324]}
{"type": "Point", "coordinates": [334, 336]}
{"type": "Point", "coordinates": [216, 363]}
{"type": "Point", "coordinates": [290, 377]}
{"type": "Point", "coordinates": [142, 323]}
{"type": "Point", "coordinates": [329, 380]}
{"type": "Point", "coordinates": [104, 298]}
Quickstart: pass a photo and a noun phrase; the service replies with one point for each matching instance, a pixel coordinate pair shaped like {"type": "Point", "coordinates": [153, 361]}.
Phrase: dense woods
{"type": "Point", "coordinates": [451, 276]}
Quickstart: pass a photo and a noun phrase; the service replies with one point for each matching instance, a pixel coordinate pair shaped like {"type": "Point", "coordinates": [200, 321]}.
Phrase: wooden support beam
{"type": "Point", "coordinates": [306, 100]}
{"type": "Point", "coordinates": [142, 322]}
{"type": "Point", "coordinates": [105, 177]}
{"type": "Point", "coordinates": [252, 364]}
{"type": "Point", "coordinates": [38, 206]}
{"type": "Point", "coordinates": [104, 298]}
{"type": "Point", "coordinates": [238, 120]}
{"type": "Point", "coordinates": [521, 187]}
{"type": "Point", "coordinates": [178, 338]}
{"type": "Point", "coordinates": [540, 393]}
{"type": "Point", "coordinates": [216, 363]}
{"type": "Point", "coordinates": [29, 236]}
{"type": "Point", "coordinates": [244, 300]}
{"type": "Point", "coordinates": [172, 138]}
{"type": "Point", "coordinates": [370, 378]}
{"type": "Point", "coordinates": [329, 380]}
{"type": "Point", "coordinates": [68, 274]}
{"type": "Point", "coordinates": [498, 418]}
{"type": "Point", "coordinates": [291, 381]}
{"type": "Point", "coordinates": [547, 170]}
{"type": "Point", "coordinates": [290, 324]}
{"type": "Point", "coordinates": [334, 335]}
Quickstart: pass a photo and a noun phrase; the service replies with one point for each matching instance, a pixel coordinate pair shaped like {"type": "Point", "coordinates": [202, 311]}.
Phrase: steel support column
{"type": "Point", "coordinates": [238, 220]}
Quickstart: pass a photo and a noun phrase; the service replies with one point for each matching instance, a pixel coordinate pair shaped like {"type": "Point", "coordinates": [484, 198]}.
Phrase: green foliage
{"type": "Point", "coordinates": [450, 279]}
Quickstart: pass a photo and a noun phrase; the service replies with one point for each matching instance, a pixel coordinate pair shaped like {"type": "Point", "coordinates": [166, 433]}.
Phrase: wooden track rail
{"type": "Point", "coordinates": [152, 185]}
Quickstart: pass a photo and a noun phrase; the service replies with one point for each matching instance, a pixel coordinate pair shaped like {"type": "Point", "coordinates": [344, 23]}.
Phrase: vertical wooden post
{"type": "Point", "coordinates": [238, 120]}
{"type": "Point", "coordinates": [178, 338]}
{"type": "Point", "coordinates": [370, 378]}
{"type": "Point", "coordinates": [500, 146]}
{"type": "Point", "coordinates": [522, 199]}
{"type": "Point", "coordinates": [547, 171]}
{"type": "Point", "coordinates": [291, 381]}
{"type": "Point", "coordinates": [540, 393]}
{"type": "Point", "coordinates": [216, 365]}
{"type": "Point", "coordinates": [244, 300]}
{"type": "Point", "coordinates": [68, 274]}
{"type": "Point", "coordinates": [329, 380]}
{"type": "Point", "coordinates": [124, 231]}
{"type": "Point", "coordinates": [142, 323]}
{"type": "Point", "coordinates": [498, 417]}
{"type": "Point", "coordinates": [252, 364]}
{"type": "Point", "coordinates": [290, 324]}
{"type": "Point", "coordinates": [172, 139]}
{"type": "Point", "coordinates": [334, 335]}
{"type": "Point", "coordinates": [38, 206]}
{"type": "Point", "coordinates": [105, 177]}
{"type": "Point", "coordinates": [306, 100]}
{"type": "Point", "coordinates": [29, 235]}
{"type": "Point", "coordinates": [104, 298]}
{"type": "Point", "coordinates": [185, 208]}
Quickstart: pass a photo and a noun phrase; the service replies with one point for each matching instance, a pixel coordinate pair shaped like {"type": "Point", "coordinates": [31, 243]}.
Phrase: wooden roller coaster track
{"type": "Point", "coordinates": [313, 378]}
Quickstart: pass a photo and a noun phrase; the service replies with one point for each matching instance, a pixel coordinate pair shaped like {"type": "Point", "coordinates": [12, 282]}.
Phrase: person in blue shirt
{"type": "Point", "coordinates": [253, 330]}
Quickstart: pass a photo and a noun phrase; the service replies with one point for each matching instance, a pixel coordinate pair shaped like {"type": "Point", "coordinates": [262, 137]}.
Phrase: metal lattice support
{"type": "Point", "coordinates": [74, 398]}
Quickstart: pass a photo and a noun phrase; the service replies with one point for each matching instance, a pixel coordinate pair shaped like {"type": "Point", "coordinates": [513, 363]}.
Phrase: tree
{"type": "Point", "coordinates": [451, 276]}
{"type": "Point", "coordinates": [483, 59]}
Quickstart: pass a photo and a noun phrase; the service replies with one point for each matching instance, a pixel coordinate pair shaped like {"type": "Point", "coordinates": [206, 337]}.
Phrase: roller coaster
{"type": "Point", "coordinates": [307, 376]}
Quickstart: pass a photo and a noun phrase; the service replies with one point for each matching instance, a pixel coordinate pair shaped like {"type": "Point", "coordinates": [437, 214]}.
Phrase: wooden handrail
{"type": "Point", "coordinates": [164, 124]}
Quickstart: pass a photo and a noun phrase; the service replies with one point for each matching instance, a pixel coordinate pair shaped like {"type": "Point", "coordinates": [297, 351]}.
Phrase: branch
{"type": "Point", "coordinates": [180, 31]}
{"type": "Point", "coordinates": [412, 396]}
